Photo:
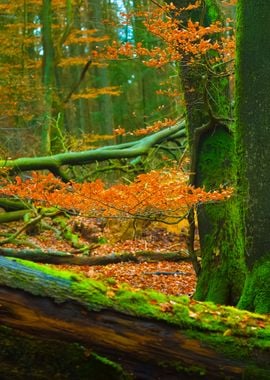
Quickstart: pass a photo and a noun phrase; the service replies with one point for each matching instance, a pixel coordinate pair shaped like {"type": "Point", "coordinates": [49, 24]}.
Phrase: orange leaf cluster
{"type": "Point", "coordinates": [157, 195]}
{"type": "Point", "coordinates": [192, 40]}
{"type": "Point", "coordinates": [160, 124]}
{"type": "Point", "coordinates": [92, 93]}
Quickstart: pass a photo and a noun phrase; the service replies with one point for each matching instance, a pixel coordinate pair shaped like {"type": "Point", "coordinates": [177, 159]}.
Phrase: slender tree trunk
{"type": "Point", "coordinates": [105, 104]}
{"type": "Point", "coordinates": [48, 74]}
{"type": "Point", "coordinates": [253, 143]}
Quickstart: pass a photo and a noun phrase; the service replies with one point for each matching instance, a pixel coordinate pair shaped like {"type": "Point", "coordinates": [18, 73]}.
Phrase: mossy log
{"type": "Point", "coordinates": [60, 257]}
{"type": "Point", "coordinates": [13, 204]}
{"type": "Point", "coordinates": [132, 149]}
{"type": "Point", "coordinates": [152, 336]}
{"type": "Point", "coordinates": [12, 216]}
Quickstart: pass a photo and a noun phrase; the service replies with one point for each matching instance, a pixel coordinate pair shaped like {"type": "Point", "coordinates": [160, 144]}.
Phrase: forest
{"type": "Point", "coordinates": [134, 189]}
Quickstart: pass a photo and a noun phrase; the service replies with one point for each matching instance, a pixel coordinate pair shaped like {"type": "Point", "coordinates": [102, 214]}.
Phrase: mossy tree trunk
{"type": "Point", "coordinates": [253, 143]}
{"type": "Point", "coordinates": [212, 150]}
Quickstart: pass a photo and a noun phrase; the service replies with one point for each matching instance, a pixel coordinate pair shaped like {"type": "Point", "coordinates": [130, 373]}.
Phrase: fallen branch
{"type": "Point", "coordinates": [14, 204]}
{"type": "Point", "coordinates": [165, 273]}
{"type": "Point", "coordinates": [59, 257]}
{"type": "Point", "coordinates": [27, 225]}
{"type": "Point", "coordinates": [132, 149]}
{"type": "Point", "coordinates": [6, 217]}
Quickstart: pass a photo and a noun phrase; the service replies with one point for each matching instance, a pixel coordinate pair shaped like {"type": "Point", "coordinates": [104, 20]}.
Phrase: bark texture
{"type": "Point", "coordinates": [253, 142]}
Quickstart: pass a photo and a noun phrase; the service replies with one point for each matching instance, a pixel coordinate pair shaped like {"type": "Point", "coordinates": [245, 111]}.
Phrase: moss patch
{"type": "Point", "coordinates": [256, 293]}
{"type": "Point", "coordinates": [223, 266]}
{"type": "Point", "coordinates": [97, 295]}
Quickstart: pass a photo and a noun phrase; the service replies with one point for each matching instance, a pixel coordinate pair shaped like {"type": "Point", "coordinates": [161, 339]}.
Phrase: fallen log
{"type": "Point", "coordinates": [59, 257]}
{"type": "Point", "coordinates": [151, 335]}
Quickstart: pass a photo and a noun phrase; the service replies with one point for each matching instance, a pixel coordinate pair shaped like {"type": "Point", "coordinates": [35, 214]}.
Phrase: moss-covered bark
{"type": "Point", "coordinates": [59, 257]}
{"type": "Point", "coordinates": [223, 268]}
{"type": "Point", "coordinates": [151, 335]}
{"type": "Point", "coordinates": [253, 143]}
{"type": "Point", "coordinates": [211, 143]}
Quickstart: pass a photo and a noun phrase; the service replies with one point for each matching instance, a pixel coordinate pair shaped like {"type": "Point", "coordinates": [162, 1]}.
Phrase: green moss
{"type": "Point", "coordinates": [223, 266]}
{"type": "Point", "coordinates": [186, 369]}
{"type": "Point", "coordinates": [110, 281]}
{"type": "Point", "coordinates": [213, 11]}
{"type": "Point", "coordinates": [159, 297]}
{"type": "Point", "coordinates": [23, 356]}
{"type": "Point", "coordinates": [256, 293]}
{"type": "Point", "coordinates": [237, 349]}
{"type": "Point", "coordinates": [44, 280]}
{"type": "Point", "coordinates": [215, 159]}
{"type": "Point", "coordinates": [229, 327]}
{"type": "Point", "coordinates": [180, 311]}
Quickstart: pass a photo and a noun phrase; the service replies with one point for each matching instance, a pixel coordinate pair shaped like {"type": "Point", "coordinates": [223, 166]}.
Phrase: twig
{"type": "Point", "coordinates": [164, 273]}
{"type": "Point", "coordinates": [77, 84]}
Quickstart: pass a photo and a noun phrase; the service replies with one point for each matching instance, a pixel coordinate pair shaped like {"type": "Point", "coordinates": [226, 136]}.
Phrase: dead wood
{"type": "Point", "coordinates": [42, 304]}
{"type": "Point", "coordinates": [59, 257]}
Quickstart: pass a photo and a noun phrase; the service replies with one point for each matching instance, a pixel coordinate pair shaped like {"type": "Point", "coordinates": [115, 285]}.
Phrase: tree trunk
{"type": "Point", "coordinates": [211, 144]}
{"type": "Point", "coordinates": [253, 143]}
{"type": "Point", "coordinates": [48, 75]}
{"type": "Point", "coordinates": [151, 335]}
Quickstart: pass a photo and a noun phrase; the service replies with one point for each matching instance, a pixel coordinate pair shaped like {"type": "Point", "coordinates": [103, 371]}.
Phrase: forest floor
{"type": "Point", "coordinates": [177, 278]}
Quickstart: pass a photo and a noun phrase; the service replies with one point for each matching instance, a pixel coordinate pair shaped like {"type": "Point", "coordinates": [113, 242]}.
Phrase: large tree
{"type": "Point", "coordinates": [253, 145]}
{"type": "Point", "coordinates": [211, 144]}
{"type": "Point", "coordinates": [234, 237]}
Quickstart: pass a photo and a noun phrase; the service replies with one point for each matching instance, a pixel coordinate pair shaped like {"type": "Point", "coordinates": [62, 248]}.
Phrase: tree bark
{"type": "Point", "coordinates": [211, 144]}
{"type": "Point", "coordinates": [253, 144]}
{"type": "Point", "coordinates": [151, 337]}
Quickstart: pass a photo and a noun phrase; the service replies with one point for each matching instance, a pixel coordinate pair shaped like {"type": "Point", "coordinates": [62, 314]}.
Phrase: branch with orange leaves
{"type": "Point", "coordinates": [162, 195]}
